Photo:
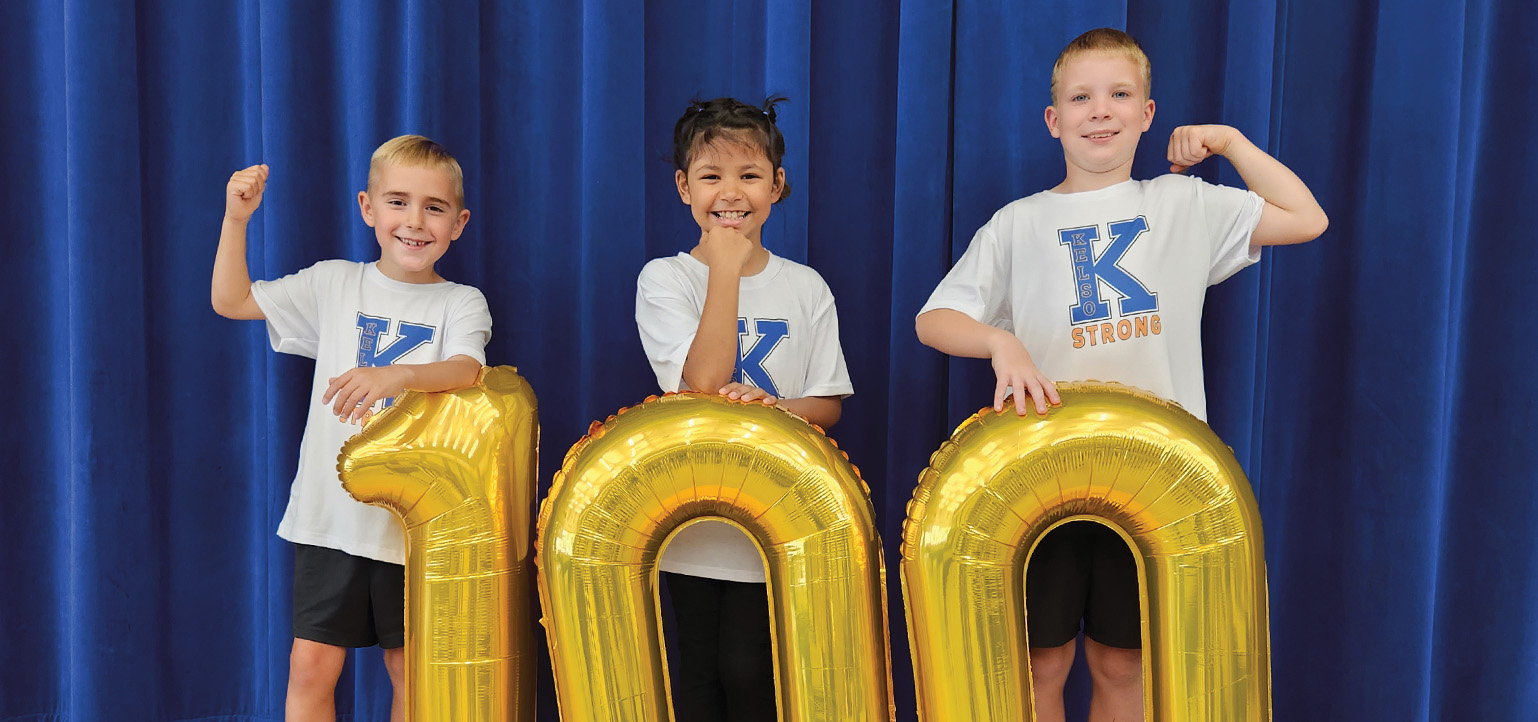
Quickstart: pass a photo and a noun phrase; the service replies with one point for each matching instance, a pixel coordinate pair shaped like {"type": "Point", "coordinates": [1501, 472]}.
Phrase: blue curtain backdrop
{"type": "Point", "coordinates": [1372, 382]}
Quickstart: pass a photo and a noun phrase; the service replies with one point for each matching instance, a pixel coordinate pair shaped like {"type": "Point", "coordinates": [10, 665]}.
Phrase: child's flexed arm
{"type": "Point", "coordinates": [1291, 214]}
{"type": "Point", "coordinates": [231, 293]}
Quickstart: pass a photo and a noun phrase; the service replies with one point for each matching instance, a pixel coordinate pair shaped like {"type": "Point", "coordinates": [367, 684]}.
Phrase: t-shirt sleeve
{"type": "Point", "coordinates": [826, 372]}
{"type": "Point", "coordinates": [469, 327]}
{"type": "Point", "coordinates": [292, 307]}
{"type": "Point", "coordinates": [1231, 216]}
{"type": "Point", "coordinates": [978, 285]}
{"type": "Point", "coordinates": [667, 318]}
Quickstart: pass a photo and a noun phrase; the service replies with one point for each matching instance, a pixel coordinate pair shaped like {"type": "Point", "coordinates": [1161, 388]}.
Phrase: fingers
{"type": "Point", "coordinates": [1051, 389]}
{"type": "Point", "coordinates": [744, 392]}
{"type": "Point", "coordinates": [1187, 148]}
{"type": "Point", "coordinates": [349, 396]}
{"type": "Point", "coordinates": [244, 192]}
{"type": "Point", "coordinates": [1038, 398]}
{"type": "Point", "coordinates": [249, 182]}
{"type": "Point", "coordinates": [1036, 387]}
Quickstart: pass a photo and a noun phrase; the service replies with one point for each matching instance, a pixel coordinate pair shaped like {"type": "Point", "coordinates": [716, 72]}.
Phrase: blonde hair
{"type": "Point", "coordinates": [416, 151]}
{"type": "Point", "coordinates": [1105, 40]}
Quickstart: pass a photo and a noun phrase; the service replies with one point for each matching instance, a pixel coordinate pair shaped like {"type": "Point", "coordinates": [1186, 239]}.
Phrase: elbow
{"type": "Point", "coordinates": [707, 383]}
{"type": "Point", "coordinates": [467, 372]}
{"type": "Point", "coordinates": [1316, 226]}
{"type": "Point", "coordinates": [923, 328]}
{"type": "Point", "coordinates": [834, 414]}
{"type": "Point", "coordinates": [221, 308]}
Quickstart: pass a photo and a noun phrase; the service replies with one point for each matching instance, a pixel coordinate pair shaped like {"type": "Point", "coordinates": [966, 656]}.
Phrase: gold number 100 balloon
{"type": "Point", "coordinates": [1113, 455]}
{"type": "Point", "coordinates": [649, 470]}
{"type": "Point", "coordinates": [459, 469]}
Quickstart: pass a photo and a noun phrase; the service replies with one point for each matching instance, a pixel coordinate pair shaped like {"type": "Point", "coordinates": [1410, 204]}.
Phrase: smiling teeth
{"type": "Point", "coordinates": [731, 215]}
{"type": "Point", "coordinates": [413, 244]}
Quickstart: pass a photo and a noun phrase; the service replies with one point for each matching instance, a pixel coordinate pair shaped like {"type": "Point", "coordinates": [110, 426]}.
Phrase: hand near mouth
{"type": "Point", "coordinates": [724, 249]}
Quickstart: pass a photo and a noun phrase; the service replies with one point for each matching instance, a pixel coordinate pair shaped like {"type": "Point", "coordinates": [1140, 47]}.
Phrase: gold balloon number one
{"type": "Point", "coordinates": [1113, 455]}
{"type": "Point", "coordinates": [459, 470]}
{"type": "Point", "coordinates": [636, 479]}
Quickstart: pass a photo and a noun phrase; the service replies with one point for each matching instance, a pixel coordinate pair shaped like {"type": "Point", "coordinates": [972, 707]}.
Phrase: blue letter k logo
{"type": "Point", "coordinates": [409, 337]}
{"type": "Point", "coordinates": [1090, 272]}
{"type": "Point", "coordinates": [750, 366]}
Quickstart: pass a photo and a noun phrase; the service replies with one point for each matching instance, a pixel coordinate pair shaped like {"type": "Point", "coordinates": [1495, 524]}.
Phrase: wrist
{"type": "Point", "coordinates": [721, 271]}
{"type": "Point", "coordinates": [406, 376]}
{"type": "Point", "coordinates": [997, 341]}
{"type": "Point", "coordinates": [1234, 143]}
{"type": "Point", "coordinates": [235, 220]}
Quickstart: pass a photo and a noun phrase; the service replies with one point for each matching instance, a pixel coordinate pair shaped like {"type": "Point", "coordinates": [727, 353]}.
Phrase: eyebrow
{"type": "Point", "coordinates": [1114, 86]}
{"type": "Point", "coordinates": [745, 166]}
{"type": "Point", "coordinates": [403, 194]}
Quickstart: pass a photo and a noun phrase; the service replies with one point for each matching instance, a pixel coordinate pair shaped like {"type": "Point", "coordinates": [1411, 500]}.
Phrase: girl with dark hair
{"type": "Point", "coordinates": [730, 317]}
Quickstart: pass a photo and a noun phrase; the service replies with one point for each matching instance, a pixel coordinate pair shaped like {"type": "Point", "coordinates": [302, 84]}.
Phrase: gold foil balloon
{"type": "Point", "coordinates": [640, 476]}
{"type": "Point", "coordinates": [459, 468]}
{"type": "Point", "coordinates": [1141, 466]}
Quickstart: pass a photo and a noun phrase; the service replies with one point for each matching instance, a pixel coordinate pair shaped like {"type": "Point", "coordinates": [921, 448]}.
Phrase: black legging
{"type": "Point", "coordinates": [725, 656]}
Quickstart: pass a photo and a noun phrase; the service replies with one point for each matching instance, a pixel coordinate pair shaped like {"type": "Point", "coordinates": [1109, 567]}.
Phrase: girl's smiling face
{"type": "Point", "coordinates": [730, 184]}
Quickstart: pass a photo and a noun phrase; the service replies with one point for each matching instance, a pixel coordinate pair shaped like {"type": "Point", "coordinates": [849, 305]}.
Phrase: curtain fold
{"type": "Point", "coordinates": [1372, 383]}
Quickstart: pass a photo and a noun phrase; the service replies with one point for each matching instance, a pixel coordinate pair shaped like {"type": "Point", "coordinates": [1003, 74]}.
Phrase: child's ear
{"type": "Point", "coordinates": [1148, 114]}
{"type": "Point", "coordinates": [459, 223]}
{"type": "Point", "coordinates": [682, 181]}
{"type": "Point", "coordinates": [779, 184]}
{"type": "Point", "coordinates": [366, 208]}
{"type": "Point", "coordinates": [1050, 115]}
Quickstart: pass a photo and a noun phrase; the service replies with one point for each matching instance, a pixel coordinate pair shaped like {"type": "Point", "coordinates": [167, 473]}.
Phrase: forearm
{"type": "Point", "coordinates": [448, 375]}
{"type": "Point", "coordinates": [1300, 218]}
{"type": "Point", "coordinates": [957, 334]}
{"type": "Point", "coordinates": [231, 288]}
{"type": "Point", "coordinates": [713, 354]}
{"type": "Point", "coordinates": [823, 411]}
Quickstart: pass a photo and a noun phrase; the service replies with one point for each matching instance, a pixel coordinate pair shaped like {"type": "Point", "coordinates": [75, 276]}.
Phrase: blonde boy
{"type": "Point", "coordinates": [1103, 277]}
{"type": "Point", "coordinates": [374, 330]}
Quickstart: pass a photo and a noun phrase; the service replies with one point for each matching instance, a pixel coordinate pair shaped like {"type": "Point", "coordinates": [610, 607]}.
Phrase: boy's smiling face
{"type": "Point", "coordinates": [730, 185]}
{"type": "Point", "coordinates": [1100, 112]}
{"type": "Point", "coordinates": [414, 217]}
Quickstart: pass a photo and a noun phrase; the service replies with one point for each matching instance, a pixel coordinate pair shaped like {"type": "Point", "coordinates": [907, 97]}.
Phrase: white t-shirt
{"type": "Point", "coordinates": [343, 315]}
{"type": "Point", "coordinates": [787, 344]}
{"type": "Point", "coordinates": [1108, 285]}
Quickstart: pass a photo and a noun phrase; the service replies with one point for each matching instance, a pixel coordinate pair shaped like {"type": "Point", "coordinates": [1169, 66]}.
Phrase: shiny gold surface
{"type": "Point", "coordinates": [1122, 457]}
{"type": "Point", "coordinates": [459, 468]}
{"type": "Point", "coordinates": [644, 473]}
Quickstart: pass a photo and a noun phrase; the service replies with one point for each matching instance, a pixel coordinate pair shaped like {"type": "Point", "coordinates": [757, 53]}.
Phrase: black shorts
{"type": "Point", "coordinates": [348, 601]}
{"type": "Point", "coordinates": [1082, 570]}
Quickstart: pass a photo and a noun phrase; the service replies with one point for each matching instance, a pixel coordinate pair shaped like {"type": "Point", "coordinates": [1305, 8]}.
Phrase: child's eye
{"type": "Point", "coordinates": [396, 202]}
{"type": "Point", "coordinates": [710, 176]}
{"type": "Point", "coordinates": [1123, 94]}
{"type": "Point", "coordinates": [750, 175]}
{"type": "Point", "coordinates": [435, 209]}
{"type": "Point", "coordinates": [1080, 97]}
